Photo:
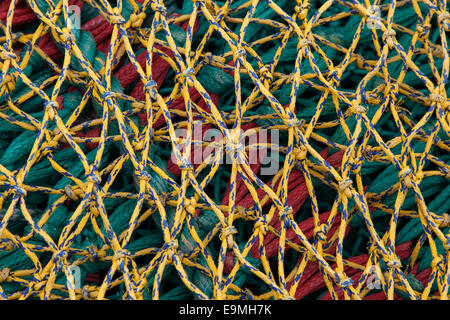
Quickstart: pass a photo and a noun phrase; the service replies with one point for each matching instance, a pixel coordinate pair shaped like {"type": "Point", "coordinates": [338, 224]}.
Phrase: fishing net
{"type": "Point", "coordinates": [224, 149]}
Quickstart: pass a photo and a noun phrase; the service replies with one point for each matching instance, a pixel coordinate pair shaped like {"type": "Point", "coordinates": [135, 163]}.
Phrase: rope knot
{"type": "Point", "coordinates": [137, 19]}
{"type": "Point", "coordinates": [71, 193]}
{"type": "Point", "coordinates": [55, 12]}
{"type": "Point", "coordinates": [85, 292]}
{"type": "Point", "coordinates": [60, 255]}
{"type": "Point", "coordinates": [67, 36]}
{"type": "Point", "coordinates": [184, 164]}
{"type": "Point", "coordinates": [19, 190]}
{"type": "Point", "coordinates": [369, 153]}
{"type": "Point", "coordinates": [373, 16]}
{"type": "Point", "coordinates": [208, 58]}
{"type": "Point", "coordinates": [418, 176]}
{"type": "Point", "coordinates": [227, 233]}
{"type": "Point", "coordinates": [373, 250]}
{"type": "Point", "coordinates": [240, 53]}
{"type": "Point", "coordinates": [444, 18]}
{"type": "Point", "coordinates": [393, 262]}
{"type": "Point", "coordinates": [389, 33]}
{"type": "Point", "coordinates": [244, 213]}
{"type": "Point", "coordinates": [48, 147]}
{"type": "Point", "coordinates": [300, 153]}
{"type": "Point", "coordinates": [95, 254]}
{"type": "Point", "coordinates": [107, 96]}
{"type": "Point", "coordinates": [158, 8]}
{"type": "Point", "coordinates": [423, 30]}
{"type": "Point", "coordinates": [93, 177]}
{"type": "Point", "coordinates": [234, 143]}
{"type": "Point", "coordinates": [143, 175]}
{"type": "Point", "coordinates": [122, 254]}
{"type": "Point", "coordinates": [392, 89]}
{"type": "Point", "coordinates": [265, 73]}
{"type": "Point", "coordinates": [357, 108]}
{"type": "Point", "coordinates": [9, 245]}
{"type": "Point", "coordinates": [290, 78]}
{"type": "Point", "coordinates": [189, 204]}
{"type": "Point", "coordinates": [292, 122]}
{"type": "Point", "coordinates": [438, 264]}
{"type": "Point", "coordinates": [405, 175]}
{"type": "Point", "coordinates": [333, 76]}
{"type": "Point", "coordinates": [345, 283]}
{"type": "Point", "coordinates": [38, 279]}
{"type": "Point", "coordinates": [388, 37]}
{"type": "Point", "coordinates": [150, 88]}
{"type": "Point", "coordinates": [286, 216]}
{"type": "Point", "coordinates": [445, 220]}
{"type": "Point", "coordinates": [138, 145]}
{"type": "Point", "coordinates": [303, 43]}
{"type": "Point", "coordinates": [185, 75]}
{"type": "Point", "coordinates": [4, 274]}
{"type": "Point", "coordinates": [209, 7]}
{"type": "Point", "coordinates": [187, 72]}
{"type": "Point", "coordinates": [94, 210]}
{"type": "Point", "coordinates": [438, 52]}
{"type": "Point", "coordinates": [10, 81]}
{"type": "Point", "coordinates": [116, 18]}
{"type": "Point", "coordinates": [162, 198]}
{"type": "Point", "coordinates": [171, 245]}
{"type": "Point", "coordinates": [404, 172]}
{"type": "Point", "coordinates": [50, 107]}
{"type": "Point", "coordinates": [437, 98]}
{"type": "Point", "coordinates": [447, 244]}
{"type": "Point", "coordinates": [260, 225]}
{"type": "Point", "coordinates": [302, 11]}
{"type": "Point", "coordinates": [5, 54]}
{"type": "Point", "coordinates": [360, 62]}
{"type": "Point", "coordinates": [321, 233]}
{"type": "Point", "coordinates": [344, 187]}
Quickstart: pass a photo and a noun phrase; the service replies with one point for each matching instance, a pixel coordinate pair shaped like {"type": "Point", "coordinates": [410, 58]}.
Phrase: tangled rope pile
{"type": "Point", "coordinates": [94, 176]}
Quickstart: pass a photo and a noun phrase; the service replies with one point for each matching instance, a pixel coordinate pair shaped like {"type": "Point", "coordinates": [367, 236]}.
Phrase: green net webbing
{"type": "Point", "coordinates": [241, 149]}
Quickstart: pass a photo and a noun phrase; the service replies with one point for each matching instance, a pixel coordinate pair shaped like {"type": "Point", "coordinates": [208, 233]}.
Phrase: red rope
{"type": "Point", "coordinates": [22, 13]}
